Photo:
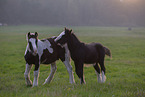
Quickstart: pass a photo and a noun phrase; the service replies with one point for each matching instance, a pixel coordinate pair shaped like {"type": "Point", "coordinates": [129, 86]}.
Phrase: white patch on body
{"type": "Point", "coordinates": [44, 45]}
{"type": "Point", "coordinates": [61, 34]}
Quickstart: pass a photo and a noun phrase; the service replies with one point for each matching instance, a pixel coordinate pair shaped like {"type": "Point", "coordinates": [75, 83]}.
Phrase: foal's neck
{"type": "Point", "coordinates": [73, 42]}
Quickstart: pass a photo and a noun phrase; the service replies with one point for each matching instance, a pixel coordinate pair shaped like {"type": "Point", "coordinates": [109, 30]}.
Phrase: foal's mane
{"type": "Point", "coordinates": [74, 41]}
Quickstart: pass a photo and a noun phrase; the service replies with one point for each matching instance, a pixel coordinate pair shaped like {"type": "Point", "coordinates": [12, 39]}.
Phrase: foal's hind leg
{"type": "Point", "coordinates": [103, 70]}
{"type": "Point", "coordinates": [70, 71]}
{"type": "Point", "coordinates": [27, 74]}
{"type": "Point", "coordinates": [68, 66]}
{"type": "Point", "coordinates": [97, 69]}
{"type": "Point", "coordinates": [50, 77]}
{"type": "Point", "coordinates": [65, 58]}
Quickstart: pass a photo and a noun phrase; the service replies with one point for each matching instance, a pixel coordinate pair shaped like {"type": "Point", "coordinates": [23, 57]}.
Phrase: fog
{"type": "Point", "coordinates": [73, 12]}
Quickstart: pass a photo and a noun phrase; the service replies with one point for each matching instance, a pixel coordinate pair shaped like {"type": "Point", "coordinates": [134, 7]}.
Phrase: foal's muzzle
{"type": "Point", "coordinates": [34, 52]}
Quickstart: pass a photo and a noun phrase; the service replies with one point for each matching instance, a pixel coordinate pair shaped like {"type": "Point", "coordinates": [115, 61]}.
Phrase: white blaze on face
{"type": "Point", "coordinates": [33, 42]}
{"type": "Point", "coordinates": [59, 37]}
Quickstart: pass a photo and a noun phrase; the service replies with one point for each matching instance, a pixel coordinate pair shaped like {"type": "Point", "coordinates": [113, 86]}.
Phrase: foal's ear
{"type": "Point", "coordinates": [70, 31]}
{"type": "Point", "coordinates": [64, 28]}
{"type": "Point", "coordinates": [27, 35]}
{"type": "Point", "coordinates": [36, 34]}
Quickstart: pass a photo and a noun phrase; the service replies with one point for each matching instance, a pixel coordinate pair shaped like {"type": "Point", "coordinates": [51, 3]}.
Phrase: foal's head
{"type": "Point", "coordinates": [63, 37]}
{"type": "Point", "coordinates": [32, 39]}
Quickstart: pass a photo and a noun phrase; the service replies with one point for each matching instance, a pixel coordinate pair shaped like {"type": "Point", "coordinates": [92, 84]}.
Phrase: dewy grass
{"type": "Point", "coordinates": [125, 72]}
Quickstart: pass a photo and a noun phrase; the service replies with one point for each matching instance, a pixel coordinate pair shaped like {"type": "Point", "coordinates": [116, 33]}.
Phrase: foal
{"type": "Point", "coordinates": [84, 53]}
{"type": "Point", "coordinates": [46, 52]}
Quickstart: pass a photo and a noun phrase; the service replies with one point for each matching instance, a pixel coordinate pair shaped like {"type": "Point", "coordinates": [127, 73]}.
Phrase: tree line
{"type": "Point", "coordinates": [73, 12]}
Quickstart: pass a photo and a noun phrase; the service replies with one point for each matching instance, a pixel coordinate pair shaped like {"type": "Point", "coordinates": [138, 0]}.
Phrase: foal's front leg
{"type": "Point", "coordinates": [27, 74]}
{"type": "Point", "coordinates": [50, 77]}
{"type": "Point", "coordinates": [79, 71]}
{"type": "Point", "coordinates": [36, 75]}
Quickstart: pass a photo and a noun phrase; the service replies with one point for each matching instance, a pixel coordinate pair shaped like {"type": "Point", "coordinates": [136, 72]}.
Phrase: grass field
{"type": "Point", "coordinates": [125, 72]}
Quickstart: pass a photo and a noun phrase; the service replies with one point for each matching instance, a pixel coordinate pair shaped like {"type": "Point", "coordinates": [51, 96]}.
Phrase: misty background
{"type": "Point", "coordinates": [73, 12]}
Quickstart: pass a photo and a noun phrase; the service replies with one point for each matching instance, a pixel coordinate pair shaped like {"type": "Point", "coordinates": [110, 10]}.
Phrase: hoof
{"type": "Point", "coordinates": [34, 86]}
{"type": "Point", "coordinates": [83, 83]}
{"type": "Point", "coordinates": [99, 78]}
{"type": "Point", "coordinates": [29, 83]}
{"type": "Point", "coordinates": [44, 83]}
{"type": "Point", "coordinates": [103, 79]}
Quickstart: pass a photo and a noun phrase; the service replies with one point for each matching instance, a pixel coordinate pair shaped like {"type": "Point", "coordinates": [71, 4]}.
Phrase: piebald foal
{"type": "Point", "coordinates": [47, 52]}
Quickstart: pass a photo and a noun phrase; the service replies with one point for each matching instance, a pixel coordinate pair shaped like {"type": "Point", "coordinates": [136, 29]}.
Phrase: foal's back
{"type": "Point", "coordinates": [58, 52]}
{"type": "Point", "coordinates": [92, 52]}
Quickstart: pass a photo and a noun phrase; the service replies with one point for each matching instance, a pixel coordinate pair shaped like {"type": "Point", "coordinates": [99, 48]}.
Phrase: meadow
{"type": "Point", "coordinates": [125, 72]}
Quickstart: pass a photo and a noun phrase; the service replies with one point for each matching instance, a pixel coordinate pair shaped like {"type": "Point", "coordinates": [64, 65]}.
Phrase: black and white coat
{"type": "Point", "coordinates": [47, 52]}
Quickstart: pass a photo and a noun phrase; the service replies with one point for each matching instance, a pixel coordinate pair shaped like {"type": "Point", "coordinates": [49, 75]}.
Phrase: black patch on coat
{"type": "Point", "coordinates": [31, 59]}
{"type": "Point", "coordinates": [84, 53]}
{"type": "Point", "coordinates": [47, 57]}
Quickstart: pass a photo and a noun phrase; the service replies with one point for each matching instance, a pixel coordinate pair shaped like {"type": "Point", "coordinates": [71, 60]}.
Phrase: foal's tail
{"type": "Point", "coordinates": [108, 52]}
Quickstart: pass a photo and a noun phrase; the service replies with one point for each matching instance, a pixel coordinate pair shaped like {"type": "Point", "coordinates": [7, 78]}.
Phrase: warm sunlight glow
{"type": "Point", "coordinates": [129, 1]}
